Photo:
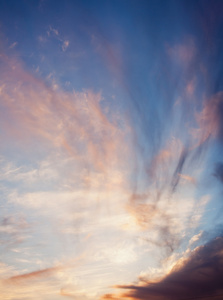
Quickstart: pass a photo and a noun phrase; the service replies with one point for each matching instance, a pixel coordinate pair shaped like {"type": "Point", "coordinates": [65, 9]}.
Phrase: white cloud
{"type": "Point", "coordinates": [195, 238]}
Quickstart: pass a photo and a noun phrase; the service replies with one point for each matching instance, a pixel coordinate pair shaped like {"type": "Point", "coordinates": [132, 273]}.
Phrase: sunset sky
{"type": "Point", "coordinates": [111, 152]}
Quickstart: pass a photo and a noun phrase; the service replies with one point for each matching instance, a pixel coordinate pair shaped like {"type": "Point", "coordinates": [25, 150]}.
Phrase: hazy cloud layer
{"type": "Point", "coordinates": [110, 155]}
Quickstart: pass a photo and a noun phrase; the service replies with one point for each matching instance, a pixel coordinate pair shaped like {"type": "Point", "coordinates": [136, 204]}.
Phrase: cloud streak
{"type": "Point", "coordinates": [32, 275]}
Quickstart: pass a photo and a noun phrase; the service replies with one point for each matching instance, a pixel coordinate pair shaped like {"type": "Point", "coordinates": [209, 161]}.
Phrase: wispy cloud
{"type": "Point", "coordinates": [65, 45]}
{"type": "Point", "coordinates": [14, 230]}
{"type": "Point", "coordinates": [13, 45]}
{"type": "Point", "coordinates": [32, 275]}
{"type": "Point", "coordinates": [31, 285]}
{"type": "Point", "coordinates": [123, 174]}
{"type": "Point", "coordinates": [57, 118]}
{"type": "Point", "coordinates": [53, 32]}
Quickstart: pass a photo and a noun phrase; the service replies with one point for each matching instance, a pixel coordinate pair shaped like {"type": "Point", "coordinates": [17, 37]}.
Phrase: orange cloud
{"type": "Point", "coordinates": [188, 178]}
{"type": "Point", "coordinates": [32, 275]}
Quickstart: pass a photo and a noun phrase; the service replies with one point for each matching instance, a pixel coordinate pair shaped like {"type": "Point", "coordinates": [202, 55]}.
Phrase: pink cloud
{"type": "Point", "coordinates": [73, 122]}
{"type": "Point", "coordinates": [183, 53]}
{"type": "Point", "coordinates": [32, 275]}
{"type": "Point", "coordinates": [209, 121]}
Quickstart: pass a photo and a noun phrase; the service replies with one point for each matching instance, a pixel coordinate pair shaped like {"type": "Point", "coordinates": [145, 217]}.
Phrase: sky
{"type": "Point", "coordinates": [111, 168]}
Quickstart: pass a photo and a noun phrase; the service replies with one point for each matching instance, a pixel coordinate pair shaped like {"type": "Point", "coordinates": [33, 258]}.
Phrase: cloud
{"type": "Point", "coordinates": [178, 170]}
{"type": "Point", "coordinates": [93, 155]}
{"type": "Point", "coordinates": [69, 174]}
{"type": "Point", "coordinates": [45, 172]}
{"type": "Point", "coordinates": [219, 171]}
{"type": "Point", "coordinates": [13, 45]}
{"type": "Point", "coordinates": [68, 295]}
{"type": "Point", "coordinates": [162, 206]}
{"type": "Point", "coordinates": [52, 32]}
{"type": "Point", "coordinates": [74, 122]}
{"type": "Point", "coordinates": [188, 178]}
{"type": "Point", "coordinates": [14, 230]}
{"type": "Point", "coordinates": [65, 45]}
{"type": "Point", "coordinates": [172, 146]}
{"type": "Point", "coordinates": [196, 238]}
{"type": "Point", "coordinates": [42, 283]}
{"type": "Point", "coordinates": [209, 120]}
{"type": "Point", "coordinates": [183, 53]}
{"type": "Point", "coordinates": [164, 224]}
{"type": "Point", "coordinates": [198, 276]}
{"type": "Point", "coordinates": [32, 275]}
